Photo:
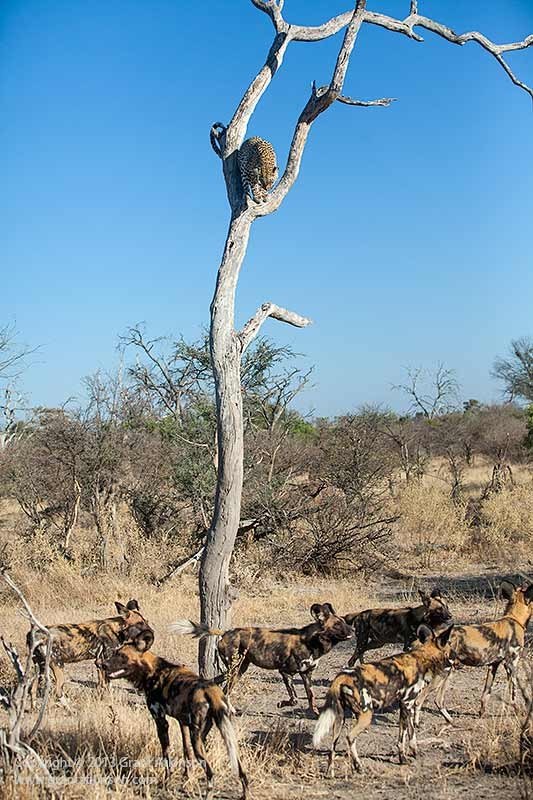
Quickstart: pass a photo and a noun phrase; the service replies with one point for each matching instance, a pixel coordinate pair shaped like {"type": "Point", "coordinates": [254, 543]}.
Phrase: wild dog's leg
{"type": "Point", "coordinates": [361, 638]}
{"type": "Point", "coordinates": [207, 727]}
{"type": "Point", "coordinates": [353, 658]}
{"type": "Point", "coordinates": [511, 667]}
{"type": "Point", "coordinates": [419, 704]}
{"type": "Point", "coordinates": [158, 714]}
{"type": "Point", "coordinates": [406, 731]}
{"type": "Point", "coordinates": [440, 687]}
{"type": "Point", "coordinates": [336, 735]}
{"type": "Point", "coordinates": [59, 677]}
{"type": "Point", "coordinates": [292, 701]}
{"type": "Point", "coordinates": [362, 722]}
{"type": "Point", "coordinates": [103, 651]}
{"type": "Point", "coordinates": [188, 755]}
{"type": "Point", "coordinates": [38, 661]}
{"type": "Point", "coordinates": [199, 752]}
{"type": "Point", "coordinates": [410, 720]}
{"type": "Point", "coordinates": [236, 665]}
{"type": "Point", "coordinates": [485, 697]}
{"type": "Point", "coordinates": [103, 681]}
{"type": "Point", "coordinates": [306, 680]}
{"type": "Point", "coordinates": [358, 653]}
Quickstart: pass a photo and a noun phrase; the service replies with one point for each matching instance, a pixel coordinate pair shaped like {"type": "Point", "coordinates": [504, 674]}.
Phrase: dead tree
{"type": "Point", "coordinates": [16, 749]}
{"type": "Point", "coordinates": [431, 393]}
{"type": "Point", "coordinates": [228, 344]}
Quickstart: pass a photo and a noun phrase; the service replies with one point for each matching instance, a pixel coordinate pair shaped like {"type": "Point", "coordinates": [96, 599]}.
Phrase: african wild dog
{"type": "Point", "coordinates": [289, 650]}
{"type": "Point", "coordinates": [401, 678]}
{"type": "Point", "coordinates": [378, 626]}
{"type": "Point", "coordinates": [491, 644]}
{"type": "Point", "coordinates": [74, 642]}
{"type": "Point", "coordinates": [175, 691]}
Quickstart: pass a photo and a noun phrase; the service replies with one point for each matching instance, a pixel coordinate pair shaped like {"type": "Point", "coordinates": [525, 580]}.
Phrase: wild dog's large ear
{"type": "Point", "coordinates": [507, 590]}
{"type": "Point", "coordinates": [424, 634]}
{"type": "Point", "coordinates": [144, 641]}
{"type": "Point", "coordinates": [424, 596]}
{"type": "Point", "coordinates": [122, 609]}
{"type": "Point", "coordinates": [321, 611]}
{"type": "Point", "coordinates": [129, 633]}
{"type": "Point", "coordinates": [443, 638]}
{"type": "Point", "coordinates": [528, 594]}
{"type": "Point", "coordinates": [133, 605]}
{"type": "Point", "coordinates": [436, 592]}
{"type": "Point", "coordinates": [328, 609]}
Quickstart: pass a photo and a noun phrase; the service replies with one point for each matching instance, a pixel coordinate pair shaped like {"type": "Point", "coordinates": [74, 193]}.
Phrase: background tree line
{"type": "Point", "coordinates": [319, 494]}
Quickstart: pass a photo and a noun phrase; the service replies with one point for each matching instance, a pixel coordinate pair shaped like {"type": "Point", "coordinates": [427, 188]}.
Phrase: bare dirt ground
{"type": "Point", "coordinates": [107, 746]}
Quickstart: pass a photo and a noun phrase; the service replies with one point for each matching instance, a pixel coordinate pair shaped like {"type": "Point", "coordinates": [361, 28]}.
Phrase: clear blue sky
{"type": "Point", "coordinates": [407, 237]}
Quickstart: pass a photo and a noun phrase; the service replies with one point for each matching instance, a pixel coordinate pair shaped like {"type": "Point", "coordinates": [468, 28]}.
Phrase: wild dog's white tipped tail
{"type": "Point", "coordinates": [227, 731]}
{"type": "Point", "coordinates": [183, 627]}
{"type": "Point", "coordinates": [196, 629]}
{"type": "Point", "coordinates": [324, 726]}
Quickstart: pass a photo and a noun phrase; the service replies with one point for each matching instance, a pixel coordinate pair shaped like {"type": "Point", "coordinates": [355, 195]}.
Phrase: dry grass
{"type": "Point", "coordinates": [507, 528]}
{"type": "Point", "coordinates": [432, 528]}
{"type": "Point", "coordinates": [107, 747]}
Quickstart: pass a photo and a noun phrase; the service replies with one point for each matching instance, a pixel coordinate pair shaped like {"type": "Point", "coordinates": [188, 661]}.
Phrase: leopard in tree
{"type": "Point", "coordinates": [258, 168]}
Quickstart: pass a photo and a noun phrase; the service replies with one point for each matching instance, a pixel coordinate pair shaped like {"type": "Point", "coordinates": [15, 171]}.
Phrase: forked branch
{"type": "Point", "coordinates": [226, 141]}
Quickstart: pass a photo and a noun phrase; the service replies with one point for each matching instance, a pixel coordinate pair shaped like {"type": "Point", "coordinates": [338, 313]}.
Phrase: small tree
{"type": "Point", "coordinates": [13, 360]}
{"type": "Point", "coordinates": [430, 393]}
{"type": "Point", "coordinates": [351, 518]}
{"type": "Point", "coordinates": [228, 344]}
{"type": "Point", "coordinates": [43, 469]}
{"type": "Point", "coordinates": [516, 370]}
{"type": "Point", "coordinates": [105, 455]}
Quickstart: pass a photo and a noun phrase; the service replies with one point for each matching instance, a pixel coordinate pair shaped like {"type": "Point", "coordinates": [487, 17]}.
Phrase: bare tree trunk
{"type": "Point", "coordinates": [226, 351]}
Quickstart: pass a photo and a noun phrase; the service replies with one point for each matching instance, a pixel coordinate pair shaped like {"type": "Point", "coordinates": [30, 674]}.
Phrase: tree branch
{"type": "Point", "coordinates": [320, 100]}
{"type": "Point", "coordinates": [226, 140]}
{"type": "Point", "coordinates": [414, 19]}
{"type": "Point", "coordinates": [349, 101]}
{"type": "Point", "coordinates": [273, 8]}
{"type": "Point", "coordinates": [236, 130]}
{"type": "Point", "coordinates": [251, 329]}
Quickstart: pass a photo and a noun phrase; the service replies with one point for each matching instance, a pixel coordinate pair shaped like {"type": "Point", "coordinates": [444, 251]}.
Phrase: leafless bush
{"type": "Point", "coordinates": [345, 509]}
{"type": "Point", "coordinates": [337, 536]}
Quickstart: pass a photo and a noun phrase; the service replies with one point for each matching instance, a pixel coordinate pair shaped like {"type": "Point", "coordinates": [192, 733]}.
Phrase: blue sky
{"type": "Point", "coordinates": [407, 238]}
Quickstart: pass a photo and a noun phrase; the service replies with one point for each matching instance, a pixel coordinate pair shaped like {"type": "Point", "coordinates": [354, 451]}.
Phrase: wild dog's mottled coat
{"type": "Point", "coordinates": [175, 691]}
{"type": "Point", "coordinates": [401, 678]}
{"type": "Point", "coordinates": [376, 627]}
{"type": "Point", "coordinates": [491, 644]}
{"type": "Point", "coordinates": [84, 641]}
{"type": "Point", "coordinates": [290, 650]}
